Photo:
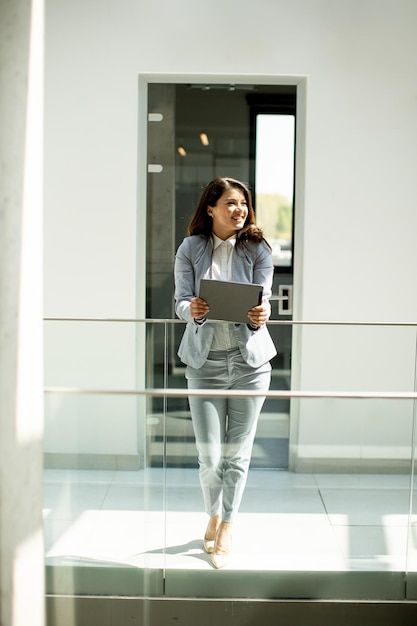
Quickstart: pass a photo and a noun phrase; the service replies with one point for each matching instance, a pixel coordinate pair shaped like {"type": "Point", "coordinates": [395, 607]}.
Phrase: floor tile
{"type": "Point", "coordinates": [186, 498]}
{"type": "Point", "coordinates": [272, 479]}
{"type": "Point", "coordinates": [155, 518]}
{"type": "Point", "coordinates": [149, 476]}
{"type": "Point", "coordinates": [367, 541]}
{"type": "Point", "coordinates": [286, 501]}
{"type": "Point", "coordinates": [363, 481]}
{"type": "Point", "coordinates": [122, 534]}
{"type": "Point", "coordinates": [132, 497]}
{"type": "Point", "coordinates": [69, 500]}
{"type": "Point", "coordinates": [78, 476]}
{"type": "Point", "coordinates": [70, 537]}
{"type": "Point", "coordinates": [375, 507]}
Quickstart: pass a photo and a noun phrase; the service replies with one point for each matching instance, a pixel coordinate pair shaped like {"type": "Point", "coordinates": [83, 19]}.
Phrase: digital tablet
{"type": "Point", "coordinates": [230, 301]}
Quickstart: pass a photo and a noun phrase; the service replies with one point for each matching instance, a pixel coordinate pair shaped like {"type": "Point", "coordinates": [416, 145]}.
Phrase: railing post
{"type": "Point", "coordinates": [410, 543]}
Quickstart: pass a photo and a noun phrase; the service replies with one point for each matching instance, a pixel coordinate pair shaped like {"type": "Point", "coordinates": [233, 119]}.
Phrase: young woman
{"type": "Point", "coordinates": [224, 243]}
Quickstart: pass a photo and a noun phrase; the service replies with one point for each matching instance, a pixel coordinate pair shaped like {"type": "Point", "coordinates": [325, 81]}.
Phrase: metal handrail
{"type": "Point", "coordinates": [219, 393]}
{"type": "Point", "coordinates": [270, 321]}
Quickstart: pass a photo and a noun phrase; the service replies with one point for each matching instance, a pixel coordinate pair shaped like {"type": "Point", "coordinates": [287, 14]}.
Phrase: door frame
{"type": "Point", "coordinates": [301, 82]}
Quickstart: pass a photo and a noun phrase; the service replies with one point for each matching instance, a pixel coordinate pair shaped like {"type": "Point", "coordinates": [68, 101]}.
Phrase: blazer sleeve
{"type": "Point", "coordinates": [184, 281]}
{"type": "Point", "coordinates": [263, 273]}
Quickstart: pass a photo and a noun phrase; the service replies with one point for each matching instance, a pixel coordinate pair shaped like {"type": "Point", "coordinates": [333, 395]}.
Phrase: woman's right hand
{"type": "Point", "coordinates": [198, 308]}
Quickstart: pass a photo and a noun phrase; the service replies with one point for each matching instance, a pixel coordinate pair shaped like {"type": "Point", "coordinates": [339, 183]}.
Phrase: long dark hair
{"type": "Point", "coordinates": [201, 222]}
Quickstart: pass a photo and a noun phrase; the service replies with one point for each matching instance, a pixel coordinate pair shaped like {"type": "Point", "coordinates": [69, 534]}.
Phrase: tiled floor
{"type": "Point", "coordinates": [295, 522]}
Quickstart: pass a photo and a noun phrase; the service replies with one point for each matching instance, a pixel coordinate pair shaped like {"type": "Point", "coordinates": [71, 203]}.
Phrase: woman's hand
{"type": "Point", "coordinates": [258, 315]}
{"type": "Point", "coordinates": [198, 308]}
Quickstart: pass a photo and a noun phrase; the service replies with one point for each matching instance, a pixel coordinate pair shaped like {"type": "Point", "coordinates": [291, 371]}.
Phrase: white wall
{"type": "Point", "coordinates": [359, 220]}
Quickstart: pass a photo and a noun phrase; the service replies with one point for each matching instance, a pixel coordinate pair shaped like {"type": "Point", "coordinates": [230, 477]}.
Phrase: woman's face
{"type": "Point", "coordinates": [229, 213]}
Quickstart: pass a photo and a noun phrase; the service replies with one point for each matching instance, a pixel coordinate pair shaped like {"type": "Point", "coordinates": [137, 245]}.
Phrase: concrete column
{"type": "Point", "coordinates": [21, 406]}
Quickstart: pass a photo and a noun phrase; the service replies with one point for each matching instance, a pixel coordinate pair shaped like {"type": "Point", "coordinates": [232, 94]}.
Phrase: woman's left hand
{"type": "Point", "coordinates": [258, 315]}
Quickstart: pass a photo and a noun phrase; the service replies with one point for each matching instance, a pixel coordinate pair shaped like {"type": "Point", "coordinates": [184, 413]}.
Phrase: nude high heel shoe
{"type": "Point", "coordinates": [209, 545]}
{"type": "Point", "coordinates": [221, 553]}
{"type": "Point", "coordinates": [211, 531]}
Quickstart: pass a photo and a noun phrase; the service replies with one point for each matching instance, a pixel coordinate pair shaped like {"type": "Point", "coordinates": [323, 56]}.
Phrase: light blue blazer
{"type": "Point", "coordinates": [251, 264]}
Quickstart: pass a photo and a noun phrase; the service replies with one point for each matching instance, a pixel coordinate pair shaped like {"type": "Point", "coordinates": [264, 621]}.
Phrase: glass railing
{"type": "Point", "coordinates": [329, 511]}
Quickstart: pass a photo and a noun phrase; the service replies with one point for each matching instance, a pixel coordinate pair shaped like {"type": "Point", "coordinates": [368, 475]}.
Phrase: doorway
{"type": "Point", "coordinates": [196, 132]}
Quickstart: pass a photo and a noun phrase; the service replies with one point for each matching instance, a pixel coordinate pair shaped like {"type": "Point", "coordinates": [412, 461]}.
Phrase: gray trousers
{"type": "Point", "coordinates": [225, 428]}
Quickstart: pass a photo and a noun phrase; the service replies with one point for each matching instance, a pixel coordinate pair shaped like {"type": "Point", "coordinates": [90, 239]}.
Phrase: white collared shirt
{"type": "Point", "coordinates": [221, 269]}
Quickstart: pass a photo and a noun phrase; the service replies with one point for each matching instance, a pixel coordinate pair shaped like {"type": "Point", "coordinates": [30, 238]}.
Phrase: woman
{"type": "Point", "coordinates": [224, 243]}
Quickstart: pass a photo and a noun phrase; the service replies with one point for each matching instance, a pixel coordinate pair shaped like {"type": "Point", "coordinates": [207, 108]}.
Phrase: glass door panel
{"type": "Point", "coordinates": [274, 183]}
{"type": "Point", "coordinates": [197, 132]}
{"type": "Point", "coordinates": [274, 148]}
